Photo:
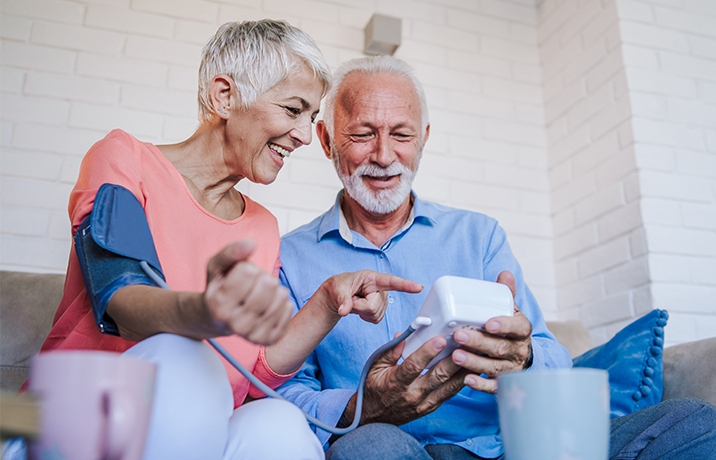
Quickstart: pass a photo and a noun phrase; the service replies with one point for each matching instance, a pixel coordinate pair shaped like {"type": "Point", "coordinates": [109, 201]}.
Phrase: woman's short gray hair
{"type": "Point", "coordinates": [257, 55]}
{"type": "Point", "coordinates": [372, 65]}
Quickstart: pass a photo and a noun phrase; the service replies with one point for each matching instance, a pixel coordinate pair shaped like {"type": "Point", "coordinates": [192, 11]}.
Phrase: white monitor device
{"type": "Point", "coordinates": [454, 303]}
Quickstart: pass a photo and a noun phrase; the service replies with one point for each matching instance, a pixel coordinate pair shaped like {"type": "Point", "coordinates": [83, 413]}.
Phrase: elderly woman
{"type": "Point", "coordinates": [260, 86]}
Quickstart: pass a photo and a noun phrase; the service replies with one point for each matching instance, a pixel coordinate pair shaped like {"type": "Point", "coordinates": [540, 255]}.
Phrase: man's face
{"type": "Point", "coordinates": [378, 139]}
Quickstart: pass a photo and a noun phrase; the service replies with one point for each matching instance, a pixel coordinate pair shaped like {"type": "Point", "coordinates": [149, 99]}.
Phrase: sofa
{"type": "Point", "coordinates": [28, 302]}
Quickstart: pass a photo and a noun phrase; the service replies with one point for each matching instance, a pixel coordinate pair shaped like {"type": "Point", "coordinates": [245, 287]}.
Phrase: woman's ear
{"type": "Point", "coordinates": [222, 94]}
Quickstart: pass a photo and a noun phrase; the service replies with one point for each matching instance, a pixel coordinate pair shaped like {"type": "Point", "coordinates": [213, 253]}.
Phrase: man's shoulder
{"type": "Point", "coordinates": [444, 214]}
{"type": "Point", "coordinates": [305, 231]}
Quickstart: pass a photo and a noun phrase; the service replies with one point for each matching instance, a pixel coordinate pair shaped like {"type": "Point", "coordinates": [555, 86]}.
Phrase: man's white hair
{"type": "Point", "coordinates": [257, 55]}
{"type": "Point", "coordinates": [372, 65]}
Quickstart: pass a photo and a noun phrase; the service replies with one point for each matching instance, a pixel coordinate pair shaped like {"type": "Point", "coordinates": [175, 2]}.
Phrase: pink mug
{"type": "Point", "coordinates": [93, 405]}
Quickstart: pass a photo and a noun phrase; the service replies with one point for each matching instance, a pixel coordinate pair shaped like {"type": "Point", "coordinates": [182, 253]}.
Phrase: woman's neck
{"type": "Point", "coordinates": [200, 161]}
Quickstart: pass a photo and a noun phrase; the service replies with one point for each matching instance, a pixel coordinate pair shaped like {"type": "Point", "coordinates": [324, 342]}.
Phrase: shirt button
{"type": "Point", "coordinates": [382, 256]}
{"type": "Point", "coordinates": [390, 299]}
{"type": "Point", "coordinates": [468, 442]}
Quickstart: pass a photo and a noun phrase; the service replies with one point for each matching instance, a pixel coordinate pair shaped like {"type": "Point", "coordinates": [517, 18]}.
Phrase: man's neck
{"type": "Point", "coordinates": [376, 228]}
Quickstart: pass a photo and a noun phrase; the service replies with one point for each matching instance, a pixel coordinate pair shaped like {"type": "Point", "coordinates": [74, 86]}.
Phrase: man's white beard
{"type": "Point", "coordinates": [382, 201]}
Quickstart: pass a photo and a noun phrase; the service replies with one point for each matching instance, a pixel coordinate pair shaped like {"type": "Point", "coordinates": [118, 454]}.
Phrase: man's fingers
{"type": "Point", "coordinates": [414, 364]}
{"type": "Point", "coordinates": [479, 383]}
{"type": "Point", "coordinates": [448, 388]}
{"type": "Point", "coordinates": [451, 386]}
{"type": "Point", "coordinates": [516, 327]}
{"type": "Point", "coordinates": [495, 325]}
{"type": "Point", "coordinates": [508, 279]}
{"type": "Point", "coordinates": [440, 373]}
{"type": "Point", "coordinates": [390, 357]}
{"type": "Point", "coordinates": [496, 346]}
{"type": "Point", "coordinates": [478, 364]}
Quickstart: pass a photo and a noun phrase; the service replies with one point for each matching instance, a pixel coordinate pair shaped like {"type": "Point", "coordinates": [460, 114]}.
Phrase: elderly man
{"type": "Point", "coordinates": [374, 130]}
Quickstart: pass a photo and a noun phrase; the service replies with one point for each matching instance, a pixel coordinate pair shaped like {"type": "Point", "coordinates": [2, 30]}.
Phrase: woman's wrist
{"type": "Point", "coordinates": [195, 318]}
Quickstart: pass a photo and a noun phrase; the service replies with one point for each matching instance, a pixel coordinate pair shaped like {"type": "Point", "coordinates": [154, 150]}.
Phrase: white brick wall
{"type": "Point", "coordinates": [630, 111]}
{"type": "Point", "coordinates": [585, 126]}
{"type": "Point", "coordinates": [670, 66]}
{"type": "Point", "coordinates": [591, 165]}
{"type": "Point", "coordinates": [74, 69]}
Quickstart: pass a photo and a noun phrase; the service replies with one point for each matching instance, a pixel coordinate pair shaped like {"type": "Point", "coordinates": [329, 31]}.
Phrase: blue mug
{"type": "Point", "coordinates": [554, 414]}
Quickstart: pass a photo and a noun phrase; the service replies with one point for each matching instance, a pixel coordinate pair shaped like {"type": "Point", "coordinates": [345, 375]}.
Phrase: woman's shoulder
{"type": "Point", "coordinates": [119, 158]}
{"type": "Point", "coordinates": [119, 147]}
{"type": "Point", "coordinates": [255, 209]}
{"type": "Point", "coordinates": [118, 138]}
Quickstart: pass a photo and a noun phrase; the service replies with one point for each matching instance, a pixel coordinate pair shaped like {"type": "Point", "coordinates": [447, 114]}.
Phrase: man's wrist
{"type": "Point", "coordinates": [530, 359]}
{"type": "Point", "coordinates": [344, 422]}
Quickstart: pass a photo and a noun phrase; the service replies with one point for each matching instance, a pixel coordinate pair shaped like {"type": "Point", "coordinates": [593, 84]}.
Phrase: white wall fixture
{"type": "Point", "coordinates": [382, 35]}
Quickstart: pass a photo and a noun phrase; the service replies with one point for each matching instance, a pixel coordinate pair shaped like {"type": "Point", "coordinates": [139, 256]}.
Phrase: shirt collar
{"type": "Point", "coordinates": [335, 221]}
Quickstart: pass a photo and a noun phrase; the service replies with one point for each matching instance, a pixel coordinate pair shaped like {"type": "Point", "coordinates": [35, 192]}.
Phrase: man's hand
{"type": "Point", "coordinates": [506, 346]}
{"type": "Point", "coordinates": [243, 299]}
{"type": "Point", "coordinates": [363, 293]}
{"type": "Point", "coordinates": [398, 393]}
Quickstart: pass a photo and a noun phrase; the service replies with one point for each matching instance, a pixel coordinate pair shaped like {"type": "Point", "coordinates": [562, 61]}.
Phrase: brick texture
{"type": "Point", "coordinates": [588, 128]}
{"type": "Point", "coordinates": [644, 95]}
{"type": "Point", "coordinates": [617, 126]}
{"type": "Point", "coordinates": [672, 120]}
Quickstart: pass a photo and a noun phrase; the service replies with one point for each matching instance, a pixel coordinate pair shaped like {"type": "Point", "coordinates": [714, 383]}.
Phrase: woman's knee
{"type": "Point", "coordinates": [271, 429]}
{"type": "Point", "coordinates": [193, 400]}
{"type": "Point", "coordinates": [184, 363]}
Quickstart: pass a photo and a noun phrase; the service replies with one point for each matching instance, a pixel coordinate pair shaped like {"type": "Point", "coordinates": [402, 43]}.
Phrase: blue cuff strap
{"type": "Point", "coordinates": [110, 243]}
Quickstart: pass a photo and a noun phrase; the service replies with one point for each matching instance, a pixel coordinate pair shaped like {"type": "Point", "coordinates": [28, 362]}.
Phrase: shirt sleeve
{"type": "Point", "coordinates": [547, 351]}
{"type": "Point", "coordinates": [305, 390]}
{"type": "Point", "coordinates": [263, 372]}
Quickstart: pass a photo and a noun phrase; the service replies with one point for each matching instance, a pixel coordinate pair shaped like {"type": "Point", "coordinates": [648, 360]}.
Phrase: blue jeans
{"type": "Point", "coordinates": [675, 429]}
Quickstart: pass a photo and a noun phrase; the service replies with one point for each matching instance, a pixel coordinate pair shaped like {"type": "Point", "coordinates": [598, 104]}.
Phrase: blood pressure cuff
{"type": "Point", "coordinates": [110, 244]}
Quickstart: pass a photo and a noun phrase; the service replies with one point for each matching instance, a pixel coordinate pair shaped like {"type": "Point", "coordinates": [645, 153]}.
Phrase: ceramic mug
{"type": "Point", "coordinates": [554, 414]}
{"type": "Point", "coordinates": [93, 405]}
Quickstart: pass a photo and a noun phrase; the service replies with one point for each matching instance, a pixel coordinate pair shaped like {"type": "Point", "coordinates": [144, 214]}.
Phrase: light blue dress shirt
{"type": "Point", "coordinates": [436, 241]}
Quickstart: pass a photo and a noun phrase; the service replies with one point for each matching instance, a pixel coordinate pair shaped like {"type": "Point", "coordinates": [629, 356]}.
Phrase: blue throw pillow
{"type": "Point", "coordinates": [633, 360]}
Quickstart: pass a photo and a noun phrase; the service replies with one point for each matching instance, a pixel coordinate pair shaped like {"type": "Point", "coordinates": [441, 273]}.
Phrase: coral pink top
{"type": "Point", "coordinates": [186, 237]}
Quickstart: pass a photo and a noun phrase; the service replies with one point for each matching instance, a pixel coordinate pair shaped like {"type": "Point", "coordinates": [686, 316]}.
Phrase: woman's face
{"type": "Point", "coordinates": [277, 123]}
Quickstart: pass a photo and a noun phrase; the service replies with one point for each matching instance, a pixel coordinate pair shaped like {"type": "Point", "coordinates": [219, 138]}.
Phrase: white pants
{"type": "Point", "coordinates": [193, 416]}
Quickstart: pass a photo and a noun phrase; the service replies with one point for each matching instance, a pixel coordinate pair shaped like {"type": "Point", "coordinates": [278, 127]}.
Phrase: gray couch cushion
{"type": "Point", "coordinates": [573, 335]}
{"type": "Point", "coordinates": [27, 305]}
{"type": "Point", "coordinates": [690, 370]}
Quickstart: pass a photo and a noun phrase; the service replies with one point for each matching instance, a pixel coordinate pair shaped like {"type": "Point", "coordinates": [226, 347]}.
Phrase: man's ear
{"type": "Point", "coordinates": [325, 138]}
{"type": "Point", "coordinates": [220, 93]}
{"type": "Point", "coordinates": [427, 134]}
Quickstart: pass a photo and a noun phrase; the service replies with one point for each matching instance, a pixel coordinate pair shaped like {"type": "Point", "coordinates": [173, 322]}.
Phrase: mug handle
{"type": "Point", "coordinates": [119, 415]}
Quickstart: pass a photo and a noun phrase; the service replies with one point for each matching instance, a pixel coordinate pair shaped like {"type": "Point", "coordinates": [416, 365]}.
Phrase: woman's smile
{"type": "Point", "coordinates": [282, 152]}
